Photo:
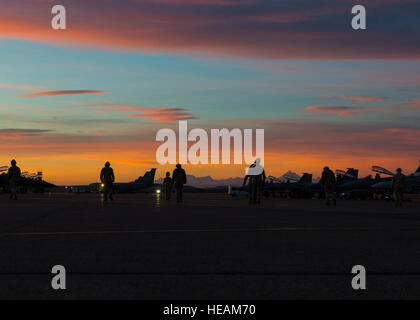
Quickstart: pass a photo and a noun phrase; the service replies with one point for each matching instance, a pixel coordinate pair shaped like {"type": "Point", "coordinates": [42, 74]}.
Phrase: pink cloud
{"type": "Point", "coordinates": [134, 111]}
{"type": "Point", "coordinates": [221, 27]}
{"type": "Point", "coordinates": [156, 114]}
{"type": "Point", "coordinates": [164, 114]}
{"type": "Point", "coordinates": [358, 98]}
{"type": "Point", "coordinates": [60, 93]}
{"type": "Point", "coordinates": [413, 103]}
{"type": "Point", "coordinates": [205, 2]}
{"type": "Point", "coordinates": [336, 111]}
{"type": "Point", "coordinates": [19, 133]}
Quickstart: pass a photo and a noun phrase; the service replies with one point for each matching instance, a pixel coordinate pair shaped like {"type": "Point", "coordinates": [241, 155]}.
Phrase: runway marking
{"type": "Point", "coordinates": [8, 234]}
{"type": "Point", "coordinates": [217, 273]}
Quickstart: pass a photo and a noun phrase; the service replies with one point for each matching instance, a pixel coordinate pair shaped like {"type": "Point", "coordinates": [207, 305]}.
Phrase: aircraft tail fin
{"type": "Point", "coordinates": [306, 179]}
{"type": "Point", "coordinates": [149, 178]}
{"type": "Point", "coordinates": [347, 176]}
{"type": "Point", "coordinates": [343, 174]}
{"type": "Point", "coordinates": [353, 172]}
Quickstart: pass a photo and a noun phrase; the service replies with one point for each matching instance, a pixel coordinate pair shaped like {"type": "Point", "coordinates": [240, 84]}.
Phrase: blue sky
{"type": "Point", "coordinates": [322, 91]}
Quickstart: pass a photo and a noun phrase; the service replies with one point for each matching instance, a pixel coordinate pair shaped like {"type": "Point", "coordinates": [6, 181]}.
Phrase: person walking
{"type": "Point", "coordinates": [179, 178]}
{"type": "Point", "coordinates": [107, 179]}
{"type": "Point", "coordinates": [14, 176]}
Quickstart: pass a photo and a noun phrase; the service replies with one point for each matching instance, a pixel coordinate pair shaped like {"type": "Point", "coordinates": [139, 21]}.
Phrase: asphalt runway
{"type": "Point", "coordinates": [211, 247]}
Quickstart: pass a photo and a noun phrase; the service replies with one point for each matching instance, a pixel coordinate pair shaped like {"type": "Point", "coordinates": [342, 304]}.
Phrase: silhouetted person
{"type": "Point", "coordinates": [167, 185]}
{"type": "Point", "coordinates": [14, 176]}
{"type": "Point", "coordinates": [107, 178]}
{"type": "Point", "coordinates": [328, 183]}
{"type": "Point", "coordinates": [256, 176]}
{"type": "Point", "coordinates": [398, 185]}
{"type": "Point", "coordinates": [258, 181]}
{"type": "Point", "coordinates": [248, 178]}
{"type": "Point", "coordinates": [179, 178]}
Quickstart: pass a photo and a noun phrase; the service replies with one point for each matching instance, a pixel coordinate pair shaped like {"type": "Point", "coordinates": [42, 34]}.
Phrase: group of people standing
{"type": "Point", "coordinates": [255, 178]}
{"type": "Point", "coordinates": [328, 182]}
{"type": "Point", "coordinates": [179, 178]}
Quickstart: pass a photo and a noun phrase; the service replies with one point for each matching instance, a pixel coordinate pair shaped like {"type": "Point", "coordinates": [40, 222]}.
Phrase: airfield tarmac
{"type": "Point", "coordinates": [211, 247]}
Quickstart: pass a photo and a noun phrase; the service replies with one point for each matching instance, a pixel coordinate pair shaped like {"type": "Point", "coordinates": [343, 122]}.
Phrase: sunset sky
{"type": "Point", "coordinates": [100, 90]}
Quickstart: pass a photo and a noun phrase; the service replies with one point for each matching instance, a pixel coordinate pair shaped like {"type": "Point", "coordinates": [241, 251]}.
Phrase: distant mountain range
{"type": "Point", "coordinates": [207, 182]}
{"type": "Point", "coordinates": [289, 175]}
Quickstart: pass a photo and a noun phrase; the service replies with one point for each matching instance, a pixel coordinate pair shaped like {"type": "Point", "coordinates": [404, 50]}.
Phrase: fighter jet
{"type": "Point", "coordinates": [361, 188]}
{"type": "Point", "coordinates": [348, 186]}
{"type": "Point", "coordinates": [142, 184]}
{"type": "Point", "coordinates": [27, 181]}
{"type": "Point", "coordinates": [3, 176]}
{"type": "Point", "coordinates": [412, 183]}
{"type": "Point", "coordinates": [292, 188]}
{"type": "Point", "coordinates": [346, 176]}
{"type": "Point", "coordinates": [236, 191]}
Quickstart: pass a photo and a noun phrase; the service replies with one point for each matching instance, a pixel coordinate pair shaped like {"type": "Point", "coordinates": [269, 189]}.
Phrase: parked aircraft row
{"type": "Point", "coordinates": [349, 185]}
{"type": "Point", "coordinates": [141, 184]}
{"type": "Point", "coordinates": [28, 181]}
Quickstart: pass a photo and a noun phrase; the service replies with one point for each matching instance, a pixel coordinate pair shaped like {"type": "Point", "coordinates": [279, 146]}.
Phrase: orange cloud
{"type": "Point", "coordinates": [20, 86]}
{"type": "Point", "coordinates": [296, 144]}
{"type": "Point", "coordinates": [60, 93]}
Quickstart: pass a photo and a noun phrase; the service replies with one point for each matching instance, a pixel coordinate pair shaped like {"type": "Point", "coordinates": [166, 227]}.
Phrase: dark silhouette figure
{"type": "Point", "coordinates": [14, 176]}
{"type": "Point", "coordinates": [328, 183]}
{"type": "Point", "coordinates": [167, 185]}
{"type": "Point", "coordinates": [256, 180]}
{"type": "Point", "coordinates": [107, 178]}
{"type": "Point", "coordinates": [398, 185]}
{"type": "Point", "coordinates": [179, 178]}
{"type": "Point", "coordinates": [248, 178]}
